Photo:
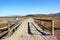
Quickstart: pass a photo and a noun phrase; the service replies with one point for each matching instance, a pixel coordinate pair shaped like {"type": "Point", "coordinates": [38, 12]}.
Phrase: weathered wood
{"type": "Point", "coordinates": [48, 20]}
{"type": "Point", "coordinates": [3, 28]}
{"type": "Point", "coordinates": [15, 27]}
{"type": "Point", "coordinates": [9, 32]}
{"type": "Point", "coordinates": [42, 22]}
{"type": "Point", "coordinates": [11, 29]}
{"type": "Point", "coordinates": [52, 24]}
{"type": "Point", "coordinates": [52, 27]}
{"type": "Point", "coordinates": [3, 34]}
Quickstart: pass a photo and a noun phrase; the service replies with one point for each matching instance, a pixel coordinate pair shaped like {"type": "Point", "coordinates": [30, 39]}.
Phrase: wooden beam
{"type": "Point", "coordinates": [42, 22]}
{"type": "Point", "coordinates": [9, 32]}
{"type": "Point", "coordinates": [52, 24]}
{"type": "Point", "coordinates": [52, 27]}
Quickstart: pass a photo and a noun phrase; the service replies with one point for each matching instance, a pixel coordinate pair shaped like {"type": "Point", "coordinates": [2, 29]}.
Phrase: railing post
{"type": "Point", "coordinates": [9, 32]}
{"type": "Point", "coordinates": [52, 27]}
{"type": "Point", "coordinates": [42, 23]}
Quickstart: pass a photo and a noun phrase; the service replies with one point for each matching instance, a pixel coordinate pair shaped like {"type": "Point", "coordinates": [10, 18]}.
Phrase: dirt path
{"type": "Point", "coordinates": [22, 32]}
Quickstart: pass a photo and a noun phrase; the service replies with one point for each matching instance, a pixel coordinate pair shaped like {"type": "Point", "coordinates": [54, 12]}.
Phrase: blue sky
{"type": "Point", "coordinates": [25, 7]}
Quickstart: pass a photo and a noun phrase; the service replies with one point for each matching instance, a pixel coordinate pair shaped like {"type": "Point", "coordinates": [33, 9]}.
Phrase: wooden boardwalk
{"type": "Point", "coordinates": [29, 30]}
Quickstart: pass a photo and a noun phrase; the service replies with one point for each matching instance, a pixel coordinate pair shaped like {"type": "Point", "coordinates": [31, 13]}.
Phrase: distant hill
{"type": "Point", "coordinates": [10, 16]}
{"type": "Point", "coordinates": [34, 15]}
{"type": "Point", "coordinates": [49, 15]}
{"type": "Point", "coordinates": [55, 15]}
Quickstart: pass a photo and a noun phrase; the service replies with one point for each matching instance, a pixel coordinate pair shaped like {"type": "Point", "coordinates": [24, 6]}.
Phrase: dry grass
{"type": "Point", "coordinates": [6, 19]}
{"type": "Point", "coordinates": [3, 20]}
{"type": "Point", "coordinates": [3, 25]}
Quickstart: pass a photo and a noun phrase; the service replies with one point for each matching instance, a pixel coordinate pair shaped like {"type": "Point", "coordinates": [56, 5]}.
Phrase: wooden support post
{"type": "Point", "coordinates": [9, 32]}
{"type": "Point", "coordinates": [42, 23]}
{"type": "Point", "coordinates": [52, 27]}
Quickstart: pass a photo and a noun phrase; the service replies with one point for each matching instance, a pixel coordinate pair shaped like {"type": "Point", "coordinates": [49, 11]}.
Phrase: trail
{"type": "Point", "coordinates": [28, 30]}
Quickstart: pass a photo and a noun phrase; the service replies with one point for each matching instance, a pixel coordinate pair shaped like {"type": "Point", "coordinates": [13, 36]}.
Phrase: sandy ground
{"type": "Point", "coordinates": [22, 32]}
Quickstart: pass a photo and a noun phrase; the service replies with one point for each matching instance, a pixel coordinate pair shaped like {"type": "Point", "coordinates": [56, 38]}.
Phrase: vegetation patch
{"type": "Point", "coordinates": [3, 25]}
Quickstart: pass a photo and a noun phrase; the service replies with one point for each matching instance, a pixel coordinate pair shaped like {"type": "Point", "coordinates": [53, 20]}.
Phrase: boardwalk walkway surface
{"type": "Point", "coordinates": [28, 30]}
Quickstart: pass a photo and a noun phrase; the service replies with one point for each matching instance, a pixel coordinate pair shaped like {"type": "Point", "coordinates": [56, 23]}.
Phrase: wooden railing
{"type": "Point", "coordinates": [8, 30]}
{"type": "Point", "coordinates": [47, 20]}
{"type": "Point", "coordinates": [5, 28]}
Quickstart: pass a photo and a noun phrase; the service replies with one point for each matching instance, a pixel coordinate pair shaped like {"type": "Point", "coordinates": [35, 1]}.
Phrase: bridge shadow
{"type": "Point", "coordinates": [44, 27]}
{"type": "Point", "coordinates": [29, 31]}
{"type": "Point", "coordinates": [38, 29]}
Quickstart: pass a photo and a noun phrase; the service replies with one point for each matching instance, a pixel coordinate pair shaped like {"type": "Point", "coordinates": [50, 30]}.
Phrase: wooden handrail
{"type": "Point", "coordinates": [44, 20]}
{"type": "Point", "coordinates": [11, 29]}
{"type": "Point", "coordinates": [48, 20]}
